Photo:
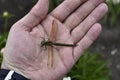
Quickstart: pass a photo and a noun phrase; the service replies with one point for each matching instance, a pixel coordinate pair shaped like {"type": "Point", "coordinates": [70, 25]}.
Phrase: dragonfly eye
{"type": "Point", "coordinates": [42, 43]}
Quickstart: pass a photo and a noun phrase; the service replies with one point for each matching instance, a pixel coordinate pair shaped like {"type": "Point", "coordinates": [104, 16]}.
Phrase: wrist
{"type": "Point", "coordinates": [11, 75]}
{"type": "Point", "coordinates": [10, 68]}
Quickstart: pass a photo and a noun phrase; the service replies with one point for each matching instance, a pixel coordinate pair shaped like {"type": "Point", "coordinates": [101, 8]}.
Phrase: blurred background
{"type": "Point", "coordinates": [100, 62]}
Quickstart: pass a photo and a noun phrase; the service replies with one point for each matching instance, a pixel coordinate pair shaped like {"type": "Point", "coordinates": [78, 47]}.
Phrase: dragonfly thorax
{"type": "Point", "coordinates": [46, 43]}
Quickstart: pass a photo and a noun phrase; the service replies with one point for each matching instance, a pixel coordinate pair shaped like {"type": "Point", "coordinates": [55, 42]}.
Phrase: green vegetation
{"type": "Point", "coordinates": [1, 57]}
{"type": "Point", "coordinates": [90, 67]}
{"type": "Point", "coordinates": [54, 4]}
{"type": "Point", "coordinates": [3, 39]}
{"type": "Point", "coordinates": [6, 16]}
{"type": "Point", "coordinates": [111, 17]}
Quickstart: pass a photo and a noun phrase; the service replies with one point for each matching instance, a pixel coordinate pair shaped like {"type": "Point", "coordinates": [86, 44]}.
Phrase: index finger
{"type": "Point", "coordinates": [65, 8]}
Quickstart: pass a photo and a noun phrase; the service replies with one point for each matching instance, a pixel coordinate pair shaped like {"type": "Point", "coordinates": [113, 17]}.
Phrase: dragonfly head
{"type": "Point", "coordinates": [43, 43]}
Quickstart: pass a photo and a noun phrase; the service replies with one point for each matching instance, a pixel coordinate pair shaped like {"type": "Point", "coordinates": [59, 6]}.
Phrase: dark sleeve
{"type": "Point", "coordinates": [15, 76]}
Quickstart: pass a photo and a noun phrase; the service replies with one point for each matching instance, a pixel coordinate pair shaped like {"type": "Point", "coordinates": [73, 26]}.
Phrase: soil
{"type": "Point", "coordinates": [108, 44]}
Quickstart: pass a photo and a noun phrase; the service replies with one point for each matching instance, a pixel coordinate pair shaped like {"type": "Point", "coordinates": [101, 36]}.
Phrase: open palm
{"type": "Point", "coordinates": [23, 51]}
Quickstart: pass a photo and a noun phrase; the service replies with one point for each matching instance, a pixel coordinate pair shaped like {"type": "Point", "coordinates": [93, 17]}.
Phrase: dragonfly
{"type": "Point", "coordinates": [51, 42]}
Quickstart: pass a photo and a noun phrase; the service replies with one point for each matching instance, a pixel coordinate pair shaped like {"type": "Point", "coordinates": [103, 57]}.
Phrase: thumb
{"type": "Point", "coordinates": [37, 13]}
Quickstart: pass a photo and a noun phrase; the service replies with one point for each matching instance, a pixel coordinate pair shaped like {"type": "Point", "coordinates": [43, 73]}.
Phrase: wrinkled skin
{"type": "Point", "coordinates": [76, 24]}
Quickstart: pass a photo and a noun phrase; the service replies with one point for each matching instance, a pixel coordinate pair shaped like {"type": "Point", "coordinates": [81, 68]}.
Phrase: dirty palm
{"type": "Point", "coordinates": [50, 43]}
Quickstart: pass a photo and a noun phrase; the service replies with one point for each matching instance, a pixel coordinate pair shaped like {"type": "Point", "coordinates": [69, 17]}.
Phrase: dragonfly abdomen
{"type": "Point", "coordinates": [50, 43]}
{"type": "Point", "coordinates": [62, 44]}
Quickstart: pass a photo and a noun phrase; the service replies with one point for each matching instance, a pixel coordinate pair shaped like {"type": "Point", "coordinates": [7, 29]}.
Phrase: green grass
{"type": "Point", "coordinates": [112, 17]}
{"type": "Point", "coordinates": [1, 57]}
{"type": "Point", "coordinates": [90, 67]}
{"type": "Point", "coordinates": [3, 39]}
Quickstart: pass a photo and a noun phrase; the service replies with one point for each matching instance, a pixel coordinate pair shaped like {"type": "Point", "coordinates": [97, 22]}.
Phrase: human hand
{"type": "Point", "coordinates": [77, 23]}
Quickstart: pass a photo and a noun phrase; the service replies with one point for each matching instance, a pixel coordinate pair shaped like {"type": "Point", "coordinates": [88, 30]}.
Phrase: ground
{"type": "Point", "coordinates": [108, 44]}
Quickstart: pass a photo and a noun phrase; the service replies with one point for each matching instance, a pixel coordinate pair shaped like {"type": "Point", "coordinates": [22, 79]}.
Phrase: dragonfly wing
{"type": "Point", "coordinates": [53, 31]}
{"type": "Point", "coordinates": [50, 48]}
{"type": "Point", "coordinates": [50, 56]}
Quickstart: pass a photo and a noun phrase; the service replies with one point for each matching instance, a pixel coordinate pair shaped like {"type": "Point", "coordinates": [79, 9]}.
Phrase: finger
{"type": "Point", "coordinates": [87, 40]}
{"type": "Point", "coordinates": [64, 9]}
{"type": "Point", "coordinates": [94, 17]}
{"type": "Point", "coordinates": [82, 12]}
{"type": "Point", "coordinates": [37, 13]}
